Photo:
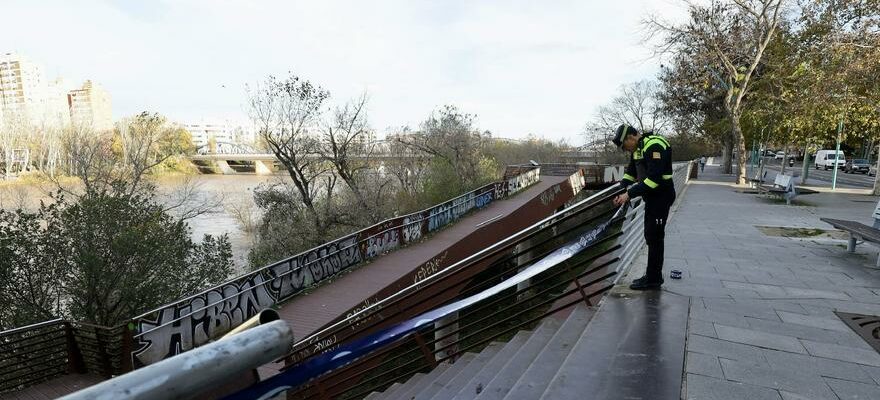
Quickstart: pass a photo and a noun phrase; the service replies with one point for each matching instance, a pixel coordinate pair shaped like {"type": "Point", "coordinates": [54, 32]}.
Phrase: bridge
{"type": "Point", "coordinates": [542, 243]}
{"type": "Point", "coordinates": [230, 158]}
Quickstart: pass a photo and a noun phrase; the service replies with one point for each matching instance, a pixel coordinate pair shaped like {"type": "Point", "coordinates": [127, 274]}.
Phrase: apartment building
{"type": "Point", "coordinates": [90, 105]}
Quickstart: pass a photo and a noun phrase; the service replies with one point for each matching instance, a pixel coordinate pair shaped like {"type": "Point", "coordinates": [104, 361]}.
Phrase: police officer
{"type": "Point", "coordinates": [649, 175]}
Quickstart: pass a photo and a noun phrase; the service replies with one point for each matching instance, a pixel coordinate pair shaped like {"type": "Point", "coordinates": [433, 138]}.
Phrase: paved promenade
{"type": "Point", "coordinates": [761, 323]}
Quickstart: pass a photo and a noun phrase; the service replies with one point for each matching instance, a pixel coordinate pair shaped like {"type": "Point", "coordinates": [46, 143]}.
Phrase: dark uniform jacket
{"type": "Point", "coordinates": [650, 168]}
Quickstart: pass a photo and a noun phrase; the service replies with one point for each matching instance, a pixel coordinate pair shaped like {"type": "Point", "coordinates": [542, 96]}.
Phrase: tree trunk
{"type": "Point", "coordinates": [740, 146]}
{"type": "Point", "coordinates": [877, 179]}
{"type": "Point", "coordinates": [727, 156]}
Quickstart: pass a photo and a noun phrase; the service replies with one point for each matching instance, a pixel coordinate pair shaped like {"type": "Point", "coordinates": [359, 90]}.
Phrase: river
{"type": "Point", "coordinates": [229, 196]}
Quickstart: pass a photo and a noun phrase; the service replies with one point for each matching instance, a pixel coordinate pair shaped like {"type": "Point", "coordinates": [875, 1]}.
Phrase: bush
{"type": "Point", "coordinates": [103, 259]}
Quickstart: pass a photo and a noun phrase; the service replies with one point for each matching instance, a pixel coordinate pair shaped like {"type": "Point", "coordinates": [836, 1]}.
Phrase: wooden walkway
{"type": "Point", "coordinates": [307, 314]}
{"type": "Point", "coordinates": [60, 386]}
{"type": "Point", "coordinates": [314, 310]}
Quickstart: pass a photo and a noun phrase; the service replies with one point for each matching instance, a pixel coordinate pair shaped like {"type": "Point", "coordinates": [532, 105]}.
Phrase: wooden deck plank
{"type": "Point", "coordinates": [54, 388]}
{"type": "Point", "coordinates": [310, 312]}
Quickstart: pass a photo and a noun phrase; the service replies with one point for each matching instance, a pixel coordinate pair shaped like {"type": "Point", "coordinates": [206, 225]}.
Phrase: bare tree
{"type": "Point", "coordinates": [406, 164]}
{"type": "Point", "coordinates": [637, 104]}
{"type": "Point", "coordinates": [146, 141]}
{"type": "Point", "coordinates": [88, 156]}
{"type": "Point", "coordinates": [348, 144]}
{"type": "Point", "coordinates": [286, 113]}
{"type": "Point", "coordinates": [452, 137]}
{"type": "Point", "coordinates": [13, 138]}
{"type": "Point", "coordinates": [730, 37]}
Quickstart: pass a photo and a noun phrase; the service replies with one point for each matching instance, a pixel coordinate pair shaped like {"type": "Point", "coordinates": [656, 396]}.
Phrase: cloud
{"type": "Point", "coordinates": [522, 67]}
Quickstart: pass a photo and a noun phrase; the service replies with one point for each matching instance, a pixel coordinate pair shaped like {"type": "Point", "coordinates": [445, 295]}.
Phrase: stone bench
{"type": "Point", "coordinates": [755, 182]}
{"type": "Point", "coordinates": [857, 231]}
{"type": "Point", "coordinates": [783, 187]}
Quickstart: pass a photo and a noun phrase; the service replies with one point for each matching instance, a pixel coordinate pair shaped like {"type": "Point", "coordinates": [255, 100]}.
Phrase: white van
{"type": "Point", "coordinates": [825, 159]}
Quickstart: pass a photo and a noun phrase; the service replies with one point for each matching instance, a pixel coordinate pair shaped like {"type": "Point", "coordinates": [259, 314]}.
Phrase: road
{"type": "Point", "coordinates": [821, 177]}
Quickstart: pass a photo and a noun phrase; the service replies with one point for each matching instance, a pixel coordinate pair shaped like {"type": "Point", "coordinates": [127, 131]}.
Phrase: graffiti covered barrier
{"type": "Point", "coordinates": [194, 321]}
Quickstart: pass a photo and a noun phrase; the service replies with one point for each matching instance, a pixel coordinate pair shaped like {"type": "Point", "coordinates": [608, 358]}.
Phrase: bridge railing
{"type": "Point", "coordinates": [563, 260]}
{"type": "Point", "coordinates": [582, 280]}
{"type": "Point", "coordinates": [197, 319]}
{"type": "Point", "coordinates": [39, 352]}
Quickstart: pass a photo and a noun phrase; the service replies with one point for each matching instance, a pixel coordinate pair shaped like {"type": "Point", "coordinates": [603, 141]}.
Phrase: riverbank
{"type": "Point", "coordinates": [231, 209]}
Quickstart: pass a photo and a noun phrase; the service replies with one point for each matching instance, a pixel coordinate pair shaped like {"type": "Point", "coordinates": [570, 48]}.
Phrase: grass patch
{"type": "Point", "coordinates": [790, 232]}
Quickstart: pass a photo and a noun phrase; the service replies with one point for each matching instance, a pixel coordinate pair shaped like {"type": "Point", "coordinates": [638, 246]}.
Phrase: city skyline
{"type": "Point", "coordinates": [521, 68]}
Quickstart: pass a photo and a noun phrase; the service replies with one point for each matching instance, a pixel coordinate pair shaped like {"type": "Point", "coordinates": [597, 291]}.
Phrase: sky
{"type": "Point", "coordinates": [522, 67]}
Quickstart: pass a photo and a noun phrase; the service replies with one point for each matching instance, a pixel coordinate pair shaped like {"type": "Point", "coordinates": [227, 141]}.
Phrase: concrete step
{"type": "Point", "coordinates": [373, 396]}
{"type": "Point", "coordinates": [383, 395]}
{"type": "Point", "coordinates": [453, 370]}
{"type": "Point", "coordinates": [633, 348]}
{"type": "Point", "coordinates": [413, 381]}
{"type": "Point", "coordinates": [410, 393]}
{"type": "Point", "coordinates": [487, 373]}
{"type": "Point", "coordinates": [535, 379]}
{"type": "Point", "coordinates": [507, 376]}
{"type": "Point", "coordinates": [450, 389]}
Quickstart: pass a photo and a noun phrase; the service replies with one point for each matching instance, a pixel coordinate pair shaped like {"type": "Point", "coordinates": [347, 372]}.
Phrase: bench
{"type": "Point", "coordinates": [754, 182]}
{"type": "Point", "coordinates": [783, 187]}
{"type": "Point", "coordinates": [857, 231]}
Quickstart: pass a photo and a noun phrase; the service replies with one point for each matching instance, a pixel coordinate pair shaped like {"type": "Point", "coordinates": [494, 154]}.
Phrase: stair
{"type": "Point", "coordinates": [498, 367]}
{"type": "Point", "coordinates": [632, 349]}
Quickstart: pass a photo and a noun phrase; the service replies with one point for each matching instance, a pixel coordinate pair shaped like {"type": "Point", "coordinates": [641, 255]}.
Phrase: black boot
{"type": "Point", "coordinates": [645, 283]}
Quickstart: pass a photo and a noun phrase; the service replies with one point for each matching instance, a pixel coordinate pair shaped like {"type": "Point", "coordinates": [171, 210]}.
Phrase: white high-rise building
{"type": "Point", "coordinates": [26, 93]}
{"type": "Point", "coordinates": [90, 106]}
{"type": "Point", "coordinates": [204, 131]}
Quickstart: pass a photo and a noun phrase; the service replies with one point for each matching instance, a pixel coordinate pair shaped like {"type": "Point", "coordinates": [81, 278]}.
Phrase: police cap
{"type": "Point", "coordinates": [623, 130]}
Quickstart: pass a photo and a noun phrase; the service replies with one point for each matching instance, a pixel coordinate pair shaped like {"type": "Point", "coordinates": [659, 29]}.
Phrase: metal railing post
{"type": "Point", "coordinates": [446, 337]}
{"type": "Point", "coordinates": [426, 352]}
{"type": "Point", "coordinates": [125, 362]}
{"type": "Point", "coordinates": [75, 363]}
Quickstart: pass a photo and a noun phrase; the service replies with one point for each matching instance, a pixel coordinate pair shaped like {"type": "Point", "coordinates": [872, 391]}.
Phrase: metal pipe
{"type": "Point", "coordinates": [263, 317]}
{"type": "Point", "coordinates": [189, 374]}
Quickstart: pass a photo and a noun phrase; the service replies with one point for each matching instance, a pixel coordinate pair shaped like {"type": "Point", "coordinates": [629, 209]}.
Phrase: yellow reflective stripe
{"type": "Point", "coordinates": [637, 155]}
{"type": "Point", "coordinates": [651, 184]}
{"type": "Point", "coordinates": [666, 142]}
{"type": "Point", "coordinates": [629, 177]}
{"type": "Point", "coordinates": [656, 140]}
{"type": "Point", "coordinates": [667, 177]}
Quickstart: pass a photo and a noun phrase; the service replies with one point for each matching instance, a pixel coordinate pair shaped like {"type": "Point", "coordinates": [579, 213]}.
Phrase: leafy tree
{"type": "Point", "coordinates": [730, 38]}
{"type": "Point", "coordinates": [451, 136]}
{"type": "Point", "coordinates": [286, 113]}
{"type": "Point", "coordinates": [32, 266]}
{"type": "Point", "coordinates": [103, 258]}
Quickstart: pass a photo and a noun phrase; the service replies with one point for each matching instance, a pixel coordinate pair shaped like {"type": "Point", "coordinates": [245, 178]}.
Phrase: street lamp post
{"type": "Point", "coordinates": [805, 171]}
{"type": "Point", "coordinates": [836, 155]}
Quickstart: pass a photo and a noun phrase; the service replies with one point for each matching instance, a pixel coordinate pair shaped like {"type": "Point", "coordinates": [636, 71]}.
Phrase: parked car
{"type": "Point", "coordinates": [825, 159]}
{"type": "Point", "coordinates": [779, 155]}
{"type": "Point", "coordinates": [857, 165]}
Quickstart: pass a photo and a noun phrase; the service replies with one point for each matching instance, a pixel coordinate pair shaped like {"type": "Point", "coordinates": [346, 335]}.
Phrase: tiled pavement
{"type": "Point", "coordinates": [761, 323]}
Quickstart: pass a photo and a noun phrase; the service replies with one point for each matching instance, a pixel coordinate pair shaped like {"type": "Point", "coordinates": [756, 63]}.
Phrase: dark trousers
{"type": "Point", "coordinates": [656, 214]}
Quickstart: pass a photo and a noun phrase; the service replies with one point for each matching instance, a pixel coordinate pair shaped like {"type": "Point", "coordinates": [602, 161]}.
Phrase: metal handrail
{"type": "Point", "coordinates": [261, 269]}
{"type": "Point", "coordinates": [421, 218]}
{"type": "Point", "coordinates": [192, 373]}
{"type": "Point", "coordinates": [629, 244]}
{"type": "Point", "coordinates": [292, 270]}
{"type": "Point", "coordinates": [373, 342]}
{"type": "Point", "coordinates": [481, 306]}
{"type": "Point", "coordinates": [31, 326]}
{"type": "Point", "coordinates": [480, 255]}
